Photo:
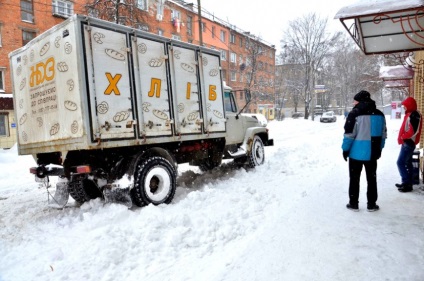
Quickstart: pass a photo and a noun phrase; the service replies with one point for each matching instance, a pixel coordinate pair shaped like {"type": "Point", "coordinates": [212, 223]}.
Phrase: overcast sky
{"type": "Point", "coordinates": [268, 18]}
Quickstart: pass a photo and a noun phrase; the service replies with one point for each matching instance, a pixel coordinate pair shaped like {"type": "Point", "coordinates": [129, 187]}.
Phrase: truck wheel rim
{"type": "Point", "coordinates": [157, 184]}
{"type": "Point", "coordinates": [259, 152]}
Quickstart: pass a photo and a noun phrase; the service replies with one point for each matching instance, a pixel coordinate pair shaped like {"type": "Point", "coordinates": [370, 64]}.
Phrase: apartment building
{"type": "Point", "coordinates": [247, 61]}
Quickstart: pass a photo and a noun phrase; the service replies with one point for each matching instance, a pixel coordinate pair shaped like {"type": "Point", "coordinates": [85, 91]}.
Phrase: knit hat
{"type": "Point", "coordinates": [362, 96]}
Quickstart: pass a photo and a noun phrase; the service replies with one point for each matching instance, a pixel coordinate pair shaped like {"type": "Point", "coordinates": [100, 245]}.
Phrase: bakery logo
{"type": "Point", "coordinates": [42, 84]}
{"type": "Point", "coordinates": [41, 72]}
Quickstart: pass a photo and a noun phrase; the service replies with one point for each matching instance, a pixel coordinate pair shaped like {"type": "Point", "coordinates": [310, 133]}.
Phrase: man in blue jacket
{"type": "Point", "coordinates": [365, 134]}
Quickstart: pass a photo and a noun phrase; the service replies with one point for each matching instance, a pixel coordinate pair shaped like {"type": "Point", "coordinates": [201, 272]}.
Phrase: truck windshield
{"type": "Point", "coordinates": [230, 104]}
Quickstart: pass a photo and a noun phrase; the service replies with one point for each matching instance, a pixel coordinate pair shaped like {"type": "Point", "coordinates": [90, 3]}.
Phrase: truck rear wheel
{"type": "Point", "coordinates": [154, 182]}
{"type": "Point", "coordinates": [77, 192]}
{"type": "Point", "coordinates": [83, 190]}
{"type": "Point", "coordinates": [257, 153]}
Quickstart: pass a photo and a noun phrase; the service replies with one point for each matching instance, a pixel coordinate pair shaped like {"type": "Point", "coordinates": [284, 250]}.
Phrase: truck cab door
{"type": "Point", "coordinates": [235, 126]}
{"type": "Point", "coordinates": [109, 84]}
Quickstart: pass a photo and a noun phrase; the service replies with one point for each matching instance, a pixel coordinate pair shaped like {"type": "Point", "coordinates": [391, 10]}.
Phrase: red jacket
{"type": "Point", "coordinates": [410, 131]}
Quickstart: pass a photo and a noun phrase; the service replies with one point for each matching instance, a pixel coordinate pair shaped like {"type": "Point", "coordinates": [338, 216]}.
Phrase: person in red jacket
{"type": "Point", "coordinates": [409, 137]}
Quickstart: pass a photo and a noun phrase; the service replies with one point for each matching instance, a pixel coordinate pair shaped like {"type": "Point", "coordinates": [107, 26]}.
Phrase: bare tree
{"type": "Point", "coordinates": [352, 71]}
{"type": "Point", "coordinates": [307, 42]}
{"type": "Point", "coordinates": [288, 84]}
{"type": "Point", "coordinates": [252, 62]}
{"type": "Point", "coordinates": [254, 65]}
{"type": "Point", "coordinates": [125, 12]}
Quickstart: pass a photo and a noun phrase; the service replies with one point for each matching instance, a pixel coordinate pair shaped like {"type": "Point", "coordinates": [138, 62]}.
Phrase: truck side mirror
{"type": "Point", "coordinates": [247, 95]}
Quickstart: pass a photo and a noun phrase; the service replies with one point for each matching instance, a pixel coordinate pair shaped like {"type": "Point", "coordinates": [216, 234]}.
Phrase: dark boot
{"type": "Point", "coordinates": [373, 207]}
{"type": "Point", "coordinates": [353, 207]}
{"type": "Point", "coordinates": [406, 188]}
{"type": "Point", "coordinates": [399, 185]}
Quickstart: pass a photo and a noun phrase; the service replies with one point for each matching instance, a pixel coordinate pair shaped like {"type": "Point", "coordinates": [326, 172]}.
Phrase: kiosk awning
{"type": "Point", "coordinates": [385, 26]}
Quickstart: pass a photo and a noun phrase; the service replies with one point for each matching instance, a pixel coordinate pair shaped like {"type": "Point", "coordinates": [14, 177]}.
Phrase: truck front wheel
{"type": "Point", "coordinates": [257, 153]}
{"type": "Point", "coordinates": [154, 182]}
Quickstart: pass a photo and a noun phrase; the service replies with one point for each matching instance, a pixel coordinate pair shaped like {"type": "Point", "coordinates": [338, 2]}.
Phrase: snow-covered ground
{"type": "Point", "coordinates": [285, 220]}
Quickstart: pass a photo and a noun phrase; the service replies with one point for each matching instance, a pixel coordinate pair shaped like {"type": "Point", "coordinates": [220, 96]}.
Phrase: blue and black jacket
{"type": "Point", "coordinates": [365, 132]}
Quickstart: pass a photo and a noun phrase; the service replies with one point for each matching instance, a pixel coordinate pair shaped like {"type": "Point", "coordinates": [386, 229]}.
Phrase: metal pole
{"type": "Point", "coordinates": [199, 13]}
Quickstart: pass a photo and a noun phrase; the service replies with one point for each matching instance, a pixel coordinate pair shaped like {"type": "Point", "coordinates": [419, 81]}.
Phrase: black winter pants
{"type": "Point", "coordinates": [355, 169]}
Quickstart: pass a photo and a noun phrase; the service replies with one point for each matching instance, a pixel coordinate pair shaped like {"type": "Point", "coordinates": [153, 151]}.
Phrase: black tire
{"type": "Point", "coordinates": [83, 190]}
{"type": "Point", "coordinates": [154, 182]}
{"type": "Point", "coordinates": [257, 153]}
{"type": "Point", "coordinates": [77, 191]}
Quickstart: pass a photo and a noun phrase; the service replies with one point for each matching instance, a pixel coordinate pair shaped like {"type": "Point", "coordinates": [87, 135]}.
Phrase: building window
{"type": "Point", "coordinates": [222, 36]}
{"type": "Point", "coordinates": [142, 5]}
{"type": "Point", "coordinates": [27, 36]}
{"type": "Point", "coordinates": [4, 124]}
{"type": "Point", "coordinates": [2, 80]}
{"type": "Point", "coordinates": [63, 8]}
{"type": "Point", "coordinates": [248, 77]}
{"type": "Point", "coordinates": [189, 25]}
{"type": "Point", "coordinates": [159, 10]}
{"type": "Point", "coordinates": [203, 27]}
{"type": "Point", "coordinates": [224, 75]}
{"type": "Point", "coordinates": [232, 38]}
{"type": "Point", "coordinates": [175, 15]}
{"type": "Point", "coordinates": [123, 21]}
{"type": "Point", "coordinates": [176, 37]}
{"type": "Point", "coordinates": [213, 31]}
{"type": "Point", "coordinates": [241, 42]}
{"type": "Point", "coordinates": [233, 76]}
{"type": "Point", "coordinates": [27, 12]}
{"type": "Point", "coordinates": [160, 32]}
{"type": "Point", "coordinates": [260, 65]}
{"type": "Point", "coordinates": [142, 26]}
{"type": "Point", "coordinates": [233, 57]}
{"type": "Point", "coordinates": [223, 55]}
{"type": "Point", "coordinates": [93, 12]}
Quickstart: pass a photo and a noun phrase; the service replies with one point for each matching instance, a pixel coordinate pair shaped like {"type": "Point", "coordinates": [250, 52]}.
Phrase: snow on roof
{"type": "Point", "coordinates": [396, 83]}
{"type": "Point", "coordinates": [370, 7]}
{"type": "Point", "coordinates": [396, 72]}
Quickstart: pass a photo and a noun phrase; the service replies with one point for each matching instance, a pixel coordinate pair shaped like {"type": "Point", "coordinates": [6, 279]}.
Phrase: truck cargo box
{"type": "Point", "coordinates": [91, 84]}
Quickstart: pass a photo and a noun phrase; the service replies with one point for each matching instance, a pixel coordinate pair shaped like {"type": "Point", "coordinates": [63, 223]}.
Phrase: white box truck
{"type": "Point", "coordinates": [98, 102]}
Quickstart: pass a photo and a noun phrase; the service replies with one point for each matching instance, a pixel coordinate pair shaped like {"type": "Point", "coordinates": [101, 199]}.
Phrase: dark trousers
{"type": "Point", "coordinates": [355, 169]}
{"type": "Point", "coordinates": [404, 163]}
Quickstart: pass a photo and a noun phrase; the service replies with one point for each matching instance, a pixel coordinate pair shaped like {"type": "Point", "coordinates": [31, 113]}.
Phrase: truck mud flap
{"type": "Point", "coordinates": [61, 196]}
{"type": "Point", "coordinates": [269, 142]}
{"type": "Point", "coordinates": [114, 194]}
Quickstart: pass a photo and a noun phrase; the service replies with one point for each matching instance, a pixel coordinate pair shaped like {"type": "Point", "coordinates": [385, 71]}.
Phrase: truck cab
{"type": "Point", "coordinates": [246, 137]}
